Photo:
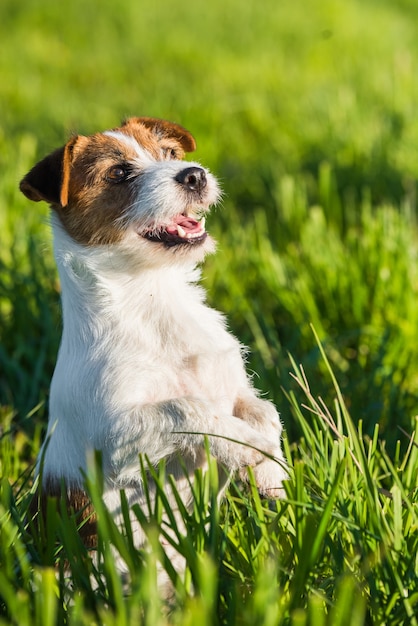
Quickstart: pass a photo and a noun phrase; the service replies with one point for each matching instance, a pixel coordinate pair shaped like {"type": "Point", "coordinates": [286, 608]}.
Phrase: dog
{"type": "Point", "coordinates": [145, 366]}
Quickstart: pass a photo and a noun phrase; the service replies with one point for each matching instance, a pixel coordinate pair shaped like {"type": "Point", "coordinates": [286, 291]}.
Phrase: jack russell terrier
{"type": "Point", "coordinates": [144, 366]}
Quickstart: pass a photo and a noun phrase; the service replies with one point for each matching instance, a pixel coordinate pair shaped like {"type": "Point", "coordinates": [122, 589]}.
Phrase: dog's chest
{"type": "Point", "coordinates": [179, 348]}
{"type": "Point", "coordinates": [145, 342]}
{"type": "Point", "coordinates": [198, 357]}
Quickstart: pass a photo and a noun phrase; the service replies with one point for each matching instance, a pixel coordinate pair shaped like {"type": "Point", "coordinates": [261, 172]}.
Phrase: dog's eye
{"type": "Point", "coordinates": [116, 174]}
{"type": "Point", "coordinates": [170, 153]}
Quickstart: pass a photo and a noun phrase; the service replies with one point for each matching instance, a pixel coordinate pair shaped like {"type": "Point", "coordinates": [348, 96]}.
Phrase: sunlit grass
{"type": "Point", "coordinates": [345, 535]}
{"type": "Point", "coordinates": [307, 113]}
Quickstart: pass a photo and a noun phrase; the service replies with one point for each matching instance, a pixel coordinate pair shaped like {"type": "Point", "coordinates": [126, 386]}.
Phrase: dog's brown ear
{"type": "Point", "coordinates": [165, 129]}
{"type": "Point", "coordinates": [49, 179]}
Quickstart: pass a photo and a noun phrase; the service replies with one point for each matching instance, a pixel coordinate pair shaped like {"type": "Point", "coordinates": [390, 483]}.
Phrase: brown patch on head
{"type": "Point", "coordinates": [82, 180]}
{"type": "Point", "coordinates": [169, 134]}
{"type": "Point", "coordinates": [92, 174]}
{"type": "Point", "coordinates": [76, 503]}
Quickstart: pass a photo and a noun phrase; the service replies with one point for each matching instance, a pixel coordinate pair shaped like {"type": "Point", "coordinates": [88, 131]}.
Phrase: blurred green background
{"type": "Point", "coordinates": [306, 110]}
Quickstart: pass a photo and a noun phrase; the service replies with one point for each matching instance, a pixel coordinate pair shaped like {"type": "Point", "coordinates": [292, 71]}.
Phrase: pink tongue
{"type": "Point", "coordinates": [187, 223]}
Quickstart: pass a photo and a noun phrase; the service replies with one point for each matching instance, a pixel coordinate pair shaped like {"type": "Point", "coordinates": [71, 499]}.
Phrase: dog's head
{"type": "Point", "coordinates": [129, 186]}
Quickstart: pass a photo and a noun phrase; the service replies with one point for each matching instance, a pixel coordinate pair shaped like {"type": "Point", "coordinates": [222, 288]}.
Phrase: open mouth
{"type": "Point", "coordinates": [184, 229]}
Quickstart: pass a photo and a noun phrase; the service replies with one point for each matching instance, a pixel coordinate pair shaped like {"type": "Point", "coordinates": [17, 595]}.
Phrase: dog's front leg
{"type": "Point", "coordinates": [263, 417]}
{"type": "Point", "coordinates": [179, 426]}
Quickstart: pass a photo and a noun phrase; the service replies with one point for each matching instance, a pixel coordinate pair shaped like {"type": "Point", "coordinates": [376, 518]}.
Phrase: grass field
{"type": "Point", "coordinates": [307, 113]}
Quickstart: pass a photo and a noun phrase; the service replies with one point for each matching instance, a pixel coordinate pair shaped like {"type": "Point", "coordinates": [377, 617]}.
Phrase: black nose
{"type": "Point", "coordinates": [194, 178]}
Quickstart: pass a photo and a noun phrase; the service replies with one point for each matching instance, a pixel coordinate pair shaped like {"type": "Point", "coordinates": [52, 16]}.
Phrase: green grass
{"type": "Point", "coordinates": [307, 112]}
{"type": "Point", "coordinates": [340, 549]}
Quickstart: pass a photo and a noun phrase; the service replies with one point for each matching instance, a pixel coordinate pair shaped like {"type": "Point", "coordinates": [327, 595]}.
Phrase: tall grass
{"type": "Point", "coordinates": [307, 113]}
{"type": "Point", "coordinates": [340, 549]}
{"type": "Point", "coordinates": [357, 283]}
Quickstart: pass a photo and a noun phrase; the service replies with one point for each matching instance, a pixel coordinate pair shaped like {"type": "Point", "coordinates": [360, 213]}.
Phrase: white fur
{"type": "Point", "coordinates": [145, 366]}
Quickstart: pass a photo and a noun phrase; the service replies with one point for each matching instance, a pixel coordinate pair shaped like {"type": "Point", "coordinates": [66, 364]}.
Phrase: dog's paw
{"type": "Point", "coordinates": [252, 452]}
{"type": "Point", "coordinates": [237, 444]}
{"type": "Point", "coordinates": [269, 476]}
{"type": "Point", "coordinates": [261, 414]}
